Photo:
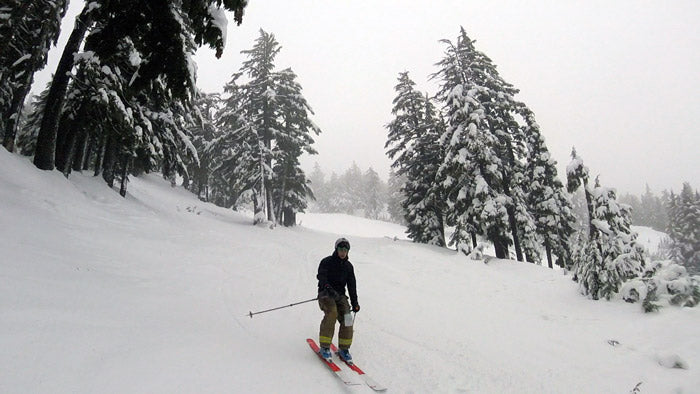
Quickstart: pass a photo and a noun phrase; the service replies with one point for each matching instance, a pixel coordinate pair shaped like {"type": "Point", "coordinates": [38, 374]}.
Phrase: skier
{"type": "Point", "coordinates": [334, 273]}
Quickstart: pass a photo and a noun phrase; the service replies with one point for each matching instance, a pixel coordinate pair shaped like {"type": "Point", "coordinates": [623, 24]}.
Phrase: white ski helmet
{"type": "Point", "coordinates": [342, 242]}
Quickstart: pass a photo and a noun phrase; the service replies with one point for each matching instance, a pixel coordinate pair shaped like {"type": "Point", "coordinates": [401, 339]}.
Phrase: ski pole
{"type": "Point", "coordinates": [280, 307]}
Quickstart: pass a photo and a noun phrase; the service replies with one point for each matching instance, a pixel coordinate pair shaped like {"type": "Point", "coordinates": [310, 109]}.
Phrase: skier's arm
{"type": "Point", "coordinates": [322, 275]}
{"type": "Point", "coordinates": [352, 289]}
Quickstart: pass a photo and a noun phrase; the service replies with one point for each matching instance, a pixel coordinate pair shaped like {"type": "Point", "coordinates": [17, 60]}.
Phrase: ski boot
{"type": "Point", "coordinates": [344, 355]}
{"type": "Point", "coordinates": [326, 353]}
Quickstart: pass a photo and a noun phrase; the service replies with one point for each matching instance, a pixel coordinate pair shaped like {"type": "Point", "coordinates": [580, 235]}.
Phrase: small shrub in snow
{"type": "Point", "coordinates": [477, 253]}
{"type": "Point", "coordinates": [663, 282]}
{"type": "Point", "coordinates": [672, 361]}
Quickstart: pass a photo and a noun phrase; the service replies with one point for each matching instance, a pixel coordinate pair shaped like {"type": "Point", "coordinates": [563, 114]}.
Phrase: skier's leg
{"type": "Point", "coordinates": [330, 314]}
{"type": "Point", "coordinates": [345, 332]}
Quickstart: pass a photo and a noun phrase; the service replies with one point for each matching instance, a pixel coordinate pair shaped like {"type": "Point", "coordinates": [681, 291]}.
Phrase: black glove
{"type": "Point", "coordinates": [356, 308]}
{"type": "Point", "coordinates": [330, 292]}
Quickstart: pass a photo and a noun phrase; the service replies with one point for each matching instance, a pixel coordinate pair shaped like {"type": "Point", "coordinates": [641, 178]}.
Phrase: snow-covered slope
{"type": "Point", "coordinates": [149, 294]}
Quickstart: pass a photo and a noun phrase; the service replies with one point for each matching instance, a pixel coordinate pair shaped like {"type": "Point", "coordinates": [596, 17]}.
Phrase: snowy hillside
{"type": "Point", "coordinates": [149, 294]}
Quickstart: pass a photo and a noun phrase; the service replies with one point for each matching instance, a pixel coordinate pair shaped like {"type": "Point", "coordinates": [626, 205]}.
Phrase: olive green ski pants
{"type": "Point", "coordinates": [334, 310]}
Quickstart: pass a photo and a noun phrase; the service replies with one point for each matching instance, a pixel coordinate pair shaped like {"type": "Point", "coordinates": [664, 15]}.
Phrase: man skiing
{"type": "Point", "coordinates": [334, 273]}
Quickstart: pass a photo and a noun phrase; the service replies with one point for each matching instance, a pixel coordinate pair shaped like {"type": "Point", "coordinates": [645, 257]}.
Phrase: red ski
{"type": "Point", "coordinates": [330, 364]}
{"type": "Point", "coordinates": [368, 380]}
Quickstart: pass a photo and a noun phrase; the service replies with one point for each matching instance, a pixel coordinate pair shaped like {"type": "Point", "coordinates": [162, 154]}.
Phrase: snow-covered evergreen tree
{"type": "Point", "coordinates": [663, 282]}
{"type": "Point", "coordinates": [238, 153]}
{"type": "Point", "coordinates": [610, 255]}
{"type": "Point", "coordinates": [290, 185]}
{"type": "Point", "coordinates": [395, 197]}
{"type": "Point", "coordinates": [318, 187]}
{"type": "Point", "coordinates": [577, 178]}
{"type": "Point", "coordinates": [547, 200]}
{"type": "Point", "coordinates": [27, 134]}
{"type": "Point", "coordinates": [474, 170]}
{"type": "Point", "coordinates": [373, 194]}
{"type": "Point", "coordinates": [29, 28]}
{"type": "Point", "coordinates": [266, 127]}
{"type": "Point", "coordinates": [412, 143]}
{"type": "Point", "coordinates": [348, 191]}
{"type": "Point", "coordinates": [203, 132]}
{"type": "Point", "coordinates": [684, 228]}
{"type": "Point", "coordinates": [165, 35]}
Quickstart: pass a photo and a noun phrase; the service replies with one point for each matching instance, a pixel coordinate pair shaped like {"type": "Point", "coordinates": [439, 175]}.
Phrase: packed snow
{"type": "Point", "coordinates": [150, 294]}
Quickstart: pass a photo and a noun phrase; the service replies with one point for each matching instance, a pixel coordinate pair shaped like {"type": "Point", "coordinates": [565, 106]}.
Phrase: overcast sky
{"type": "Point", "coordinates": [618, 80]}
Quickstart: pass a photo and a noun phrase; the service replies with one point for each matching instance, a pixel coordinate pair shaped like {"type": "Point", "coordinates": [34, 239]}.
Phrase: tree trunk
{"type": "Point", "coordinates": [99, 154]}
{"type": "Point", "coordinates": [589, 205]}
{"type": "Point", "coordinates": [258, 207]}
{"type": "Point", "coordinates": [501, 249]}
{"type": "Point", "coordinates": [79, 151]}
{"type": "Point", "coordinates": [88, 152]}
{"type": "Point", "coordinates": [110, 157]}
{"type": "Point", "coordinates": [514, 232]}
{"type": "Point", "coordinates": [510, 208]}
{"type": "Point", "coordinates": [290, 217]}
{"type": "Point", "coordinates": [549, 253]}
{"type": "Point", "coordinates": [12, 117]}
{"type": "Point", "coordinates": [441, 225]}
{"type": "Point", "coordinates": [69, 152]}
{"type": "Point", "coordinates": [280, 207]}
{"type": "Point", "coordinates": [20, 94]}
{"type": "Point", "coordinates": [125, 175]}
{"type": "Point", "coordinates": [473, 234]}
{"type": "Point", "coordinates": [64, 139]}
{"type": "Point", "coordinates": [45, 155]}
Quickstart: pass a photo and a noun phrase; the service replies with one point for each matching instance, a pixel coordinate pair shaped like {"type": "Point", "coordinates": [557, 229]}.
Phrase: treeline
{"type": "Point", "coordinates": [473, 159]}
{"type": "Point", "coordinates": [649, 209]}
{"type": "Point", "coordinates": [676, 214]}
{"type": "Point", "coordinates": [354, 192]}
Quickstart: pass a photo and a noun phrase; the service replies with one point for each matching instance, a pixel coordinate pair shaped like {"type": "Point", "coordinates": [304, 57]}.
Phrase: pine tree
{"type": "Point", "coordinates": [26, 136]}
{"type": "Point", "coordinates": [349, 191]}
{"type": "Point", "coordinates": [29, 29]}
{"type": "Point", "coordinates": [45, 153]}
{"type": "Point", "coordinates": [373, 194]}
{"type": "Point", "coordinates": [546, 198]}
{"type": "Point", "coordinates": [203, 132]}
{"type": "Point", "coordinates": [165, 34]}
{"type": "Point", "coordinates": [239, 151]}
{"type": "Point", "coordinates": [395, 197]}
{"type": "Point", "coordinates": [610, 255]}
{"type": "Point", "coordinates": [318, 187]}
{"type": "Point", "coordinates": [290, 185]}
{"type": "Point", "coordinates": [473, 173]}
{"type": "Point", "coordinates": [577, 177]}
{"type": "Point", "coordinates": [684, 228]}
{"type": "Point", "coordinates": [266, 127]}
{"type": "Point", "coordinates": [336, 195]}
{"type": "Point", "coordinates": [412, 143]}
